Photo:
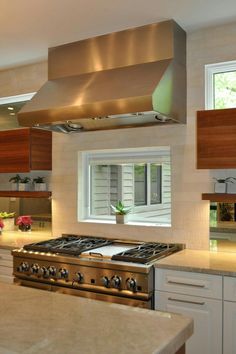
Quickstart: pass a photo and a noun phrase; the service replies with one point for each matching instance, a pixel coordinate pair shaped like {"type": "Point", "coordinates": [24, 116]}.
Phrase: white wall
{"type": "Point", "coordinates": [189, 213]}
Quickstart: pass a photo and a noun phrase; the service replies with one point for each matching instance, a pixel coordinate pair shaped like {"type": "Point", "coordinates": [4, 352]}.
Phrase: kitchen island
{"type": "Point", "coordinates": [36, 321]}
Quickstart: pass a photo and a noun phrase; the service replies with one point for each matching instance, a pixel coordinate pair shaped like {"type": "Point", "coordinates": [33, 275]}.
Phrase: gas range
{"type": "Point", "coordinates": [104, 269]}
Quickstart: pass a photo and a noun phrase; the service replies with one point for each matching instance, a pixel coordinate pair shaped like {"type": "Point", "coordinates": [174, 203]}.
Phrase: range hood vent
{"type": "Point", "coordinates": [135, 77]}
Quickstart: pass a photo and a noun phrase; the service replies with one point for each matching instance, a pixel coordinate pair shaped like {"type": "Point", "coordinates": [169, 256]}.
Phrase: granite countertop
{"type": "Point", "coordinates": [17, 239]}
{"type": "Point", "coordinates": [35, 321]}
{"type": "Point", "coordinates": [220, 263]}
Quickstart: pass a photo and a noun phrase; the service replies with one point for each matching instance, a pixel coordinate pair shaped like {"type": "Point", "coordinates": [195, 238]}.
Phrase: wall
{"type": "Point", "coordinates": [189, 213]}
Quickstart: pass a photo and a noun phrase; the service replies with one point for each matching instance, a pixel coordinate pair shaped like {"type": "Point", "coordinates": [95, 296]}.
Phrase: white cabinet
{"type": "Point", "coordinates": [229, 337]}
{"type": "Point", "coordinates": [6, 266]}
{"type": "Point", "coordinates": [198, 296]}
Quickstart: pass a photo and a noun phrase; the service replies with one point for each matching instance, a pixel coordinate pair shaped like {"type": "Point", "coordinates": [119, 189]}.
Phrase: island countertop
{"type": "Point", "coordinates": [35, 321]}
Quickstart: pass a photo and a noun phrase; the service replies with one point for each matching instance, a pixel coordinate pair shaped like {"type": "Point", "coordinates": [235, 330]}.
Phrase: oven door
{"type": "Point", "coordinates": [87, 294]}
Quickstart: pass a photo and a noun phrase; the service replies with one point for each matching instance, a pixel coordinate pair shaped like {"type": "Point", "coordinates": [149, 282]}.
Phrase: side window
{"type": "Point", "coordinates": [140, 178]}
{"type": "Point", "coordinates": [220, 85]}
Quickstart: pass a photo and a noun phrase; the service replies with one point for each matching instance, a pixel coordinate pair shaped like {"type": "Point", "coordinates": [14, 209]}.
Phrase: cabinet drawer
{"type": "Point", "coordinates": [189, 283]}
{"type": "Point", "coordinates": [230, 288]}
{"type": "Point", "coordinates": [6, 279]}
{"type": "Point", "coordinates": [5, 270]}
{"type": "Point", "coordinates": [207, 317]}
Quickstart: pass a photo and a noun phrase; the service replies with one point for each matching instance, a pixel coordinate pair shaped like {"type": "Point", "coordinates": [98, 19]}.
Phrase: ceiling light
{"type": "Point", "coordinates": [10, 108]}
{"type": "Point", "coordinates": [12, 114]}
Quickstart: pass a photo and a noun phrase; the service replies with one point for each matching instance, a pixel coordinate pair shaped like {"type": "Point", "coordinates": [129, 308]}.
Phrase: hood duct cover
{"type": "Point", "coordinates": [131, 78]}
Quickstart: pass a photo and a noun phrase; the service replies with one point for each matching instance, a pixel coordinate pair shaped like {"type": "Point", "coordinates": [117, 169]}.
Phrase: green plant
{"type": "Point", "coordinates": [5, 215]}
{"type": "Point", "coordinates": [224, 180]}
{"type": "Point", "coordinates": [15, 179]}
{"type": "Point", "coordinates": [25, 180]}
{"type": "Point", "coordinates": [120, 209]}
{"type": "Point", "coordinates": [38, 179]}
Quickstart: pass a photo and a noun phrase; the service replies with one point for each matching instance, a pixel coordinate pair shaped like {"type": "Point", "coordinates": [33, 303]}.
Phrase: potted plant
{"type": "Point", "coordinates": [15, 180]}
{"type": "Point", "coordinates": [1, 226]}
{"type": "Point", "coordinates": [24, 222]}
{"type": "Point", "coordinates": [121, 212]}
{"type": "Point", "coordinates": [39, 184]}
{"type": "Point", "coordinates": [24, 184]}
{"type": "Point", "coordinates": [9, 220]}
{"type": "Point", "coordinates": [224, 185]}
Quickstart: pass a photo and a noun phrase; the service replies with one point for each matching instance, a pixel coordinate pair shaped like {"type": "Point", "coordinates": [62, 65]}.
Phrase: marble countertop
{"type": "Point", "coordinates": [17, 239]}
{"type": "Point", "coordinates": [34, 321]}
{"type": "Point", "coordinates": [210, 262]}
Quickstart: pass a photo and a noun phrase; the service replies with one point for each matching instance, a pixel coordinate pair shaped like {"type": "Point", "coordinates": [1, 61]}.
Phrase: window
{"type": "Point", "coordinates": [220, 83]}
{"type": "Point", "coordinates": [140, 178]}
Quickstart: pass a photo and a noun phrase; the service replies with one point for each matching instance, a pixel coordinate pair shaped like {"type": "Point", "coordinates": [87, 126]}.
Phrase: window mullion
{"type": "Point", "coordinates": [148, 185]}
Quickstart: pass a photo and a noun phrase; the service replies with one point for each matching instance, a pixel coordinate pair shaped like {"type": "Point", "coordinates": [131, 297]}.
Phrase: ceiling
{"type": "Point", "coordinates": [28, 28]}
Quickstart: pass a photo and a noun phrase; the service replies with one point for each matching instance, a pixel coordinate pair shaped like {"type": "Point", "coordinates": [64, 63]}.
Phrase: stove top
{"type": "Point", "coordinates": [95, 247]}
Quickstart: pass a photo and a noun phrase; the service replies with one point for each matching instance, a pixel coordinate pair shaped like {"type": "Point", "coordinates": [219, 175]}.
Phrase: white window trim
{"type": "Point", "coordinates": [210, 70]}
{"type": "Point", "coordinates": [119, 154]}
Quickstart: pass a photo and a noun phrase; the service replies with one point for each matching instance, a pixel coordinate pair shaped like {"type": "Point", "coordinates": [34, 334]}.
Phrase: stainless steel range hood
{"type": "Point", "coordinates": [136, 77]}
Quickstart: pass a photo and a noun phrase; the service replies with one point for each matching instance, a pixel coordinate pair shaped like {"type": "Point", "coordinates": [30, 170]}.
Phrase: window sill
{"type": "Point", "coordinates": [133, 223]}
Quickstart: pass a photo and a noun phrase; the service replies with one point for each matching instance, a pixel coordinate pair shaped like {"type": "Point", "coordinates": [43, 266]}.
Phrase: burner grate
{"type": "Point", "coordinates": [68, 244]}
{"type": "Point", "coordinates": [146, 252]}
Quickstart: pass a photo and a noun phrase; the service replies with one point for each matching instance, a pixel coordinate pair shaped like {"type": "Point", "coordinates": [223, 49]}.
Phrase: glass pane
{"type": "Point", "coordinates": [155, 176]}
{"type": "Point", "coordinates": [225, 90]}
{"type": "Point", "coordinates": [140, 184]}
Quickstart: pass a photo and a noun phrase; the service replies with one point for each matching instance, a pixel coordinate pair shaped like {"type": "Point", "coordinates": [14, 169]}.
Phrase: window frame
{"type": "Point", "coordinates": [133, 154]}
{"type": "Point", "coordinates": [210, 70]}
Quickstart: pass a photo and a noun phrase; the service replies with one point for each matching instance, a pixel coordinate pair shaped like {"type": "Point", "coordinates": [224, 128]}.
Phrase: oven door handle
{"type": "Point", "coordinates": [95, 254]}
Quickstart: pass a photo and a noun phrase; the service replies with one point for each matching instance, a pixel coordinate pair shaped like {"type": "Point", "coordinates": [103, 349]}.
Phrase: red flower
{"type": "Point", "coordinates": [1, 224]}
{"type": "Point", "coordinates": [24, 220]}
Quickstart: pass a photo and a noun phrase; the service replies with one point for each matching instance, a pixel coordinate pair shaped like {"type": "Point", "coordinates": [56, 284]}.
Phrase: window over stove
{"type": "Point", "coordinates": [140, 178]}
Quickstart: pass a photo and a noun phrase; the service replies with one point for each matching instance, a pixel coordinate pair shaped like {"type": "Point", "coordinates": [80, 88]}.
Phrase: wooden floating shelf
{"type": "Point", "coordinates": [25, 194]}
{"type": "Point", "coordinates": [219, 197]}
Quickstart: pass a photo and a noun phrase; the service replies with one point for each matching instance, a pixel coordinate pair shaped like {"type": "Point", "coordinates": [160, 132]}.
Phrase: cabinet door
{"type": "Point", "coordinates": [216, 137]}
{"type": "Point", "coordinates": [15, 150]}
{"type": "Point", "coordinates": [207, 316]}
{"type": "Point", "coordinates": [229, 337]}
{"type": "Point", "coordinates": [6, 266]}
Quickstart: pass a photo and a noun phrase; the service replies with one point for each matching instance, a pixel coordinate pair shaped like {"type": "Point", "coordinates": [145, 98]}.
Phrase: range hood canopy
{"type": "Point", "coordinates": [136, 77]}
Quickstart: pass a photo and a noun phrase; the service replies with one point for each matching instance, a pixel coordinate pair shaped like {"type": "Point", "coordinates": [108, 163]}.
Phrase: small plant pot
{"type": "Point", "coordinates": [9, 224]}
{"type": "Point", "coordinates": [121, 219]}
{"type": "Point", "coordinates": [24, 228]}
{"type": "Point", "coordinates": [24, 187]}
{"type": "Point", "coordinates": [14, 186]}
{"type": "Point", "coordinates": [40, 187]}
{"type": "Point", "coordinates": [220, 187]}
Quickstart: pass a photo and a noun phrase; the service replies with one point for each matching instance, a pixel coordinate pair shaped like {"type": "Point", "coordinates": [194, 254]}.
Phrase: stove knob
{"type": "Point", "coordinates": [105, 282]}
{"type": "Point", "coordinates": [23, 267]}
{"type": "Point", "coordinates": [116, 281]}
{"type": "Point", "coordinates": [34, 268]}
{"type": "Point", "coordinates": [44, 272]}
{"type": "Point", "coordinates": [63, 273]}
{"type": "Point", "coordinates": [52, 270]}
{"type": "Point", "coordinates": [131, 284]}
{"type": "Point", "coordinates": [79, 277]}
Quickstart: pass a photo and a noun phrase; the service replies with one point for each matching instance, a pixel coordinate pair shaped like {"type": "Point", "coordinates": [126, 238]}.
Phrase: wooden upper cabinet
{"type": "Point", "coordinates": [24, 150]}
{"type": "Point", "coordinates": [216, 139]}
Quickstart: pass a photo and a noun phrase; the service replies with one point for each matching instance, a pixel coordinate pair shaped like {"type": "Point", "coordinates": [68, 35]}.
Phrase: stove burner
{"type": "Point", "coordinates": [146, 252]}
{"type": "Point", "coordinates": [68, 244]}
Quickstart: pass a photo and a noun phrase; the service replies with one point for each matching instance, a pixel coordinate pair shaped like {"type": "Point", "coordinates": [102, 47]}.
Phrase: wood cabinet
{"type": "Point", "coordinates": [6, 266]}
{"type": "Point", "coordinates": [24, 150]}
{"type": "Point", "coordinates": [229, 338]}
{"type": "Point", "coordinates": [216, 139]}
{"type": "Point", "coordinates": [198, 296]}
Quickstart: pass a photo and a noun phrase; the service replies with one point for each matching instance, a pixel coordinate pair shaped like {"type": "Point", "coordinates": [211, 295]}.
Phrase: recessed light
{"type": "Point", "coordinates": [12, 114]}
{"type": "Point", "coordinates": [10, 108]}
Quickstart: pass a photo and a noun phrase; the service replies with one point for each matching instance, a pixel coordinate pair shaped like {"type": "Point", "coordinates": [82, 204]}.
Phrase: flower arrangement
{"type": "Point", "coordinates": [1, 226]}
{"type": "Point", "coordinates": [24, 222]}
